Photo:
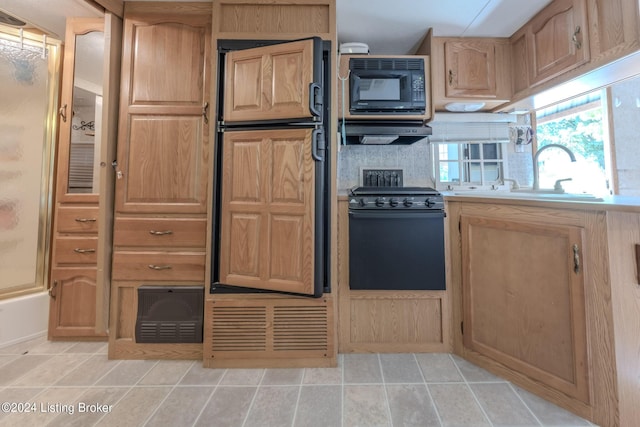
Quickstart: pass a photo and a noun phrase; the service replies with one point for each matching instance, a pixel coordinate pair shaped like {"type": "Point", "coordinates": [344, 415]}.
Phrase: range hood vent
{"type": "Point", "coordinates": [385, 133]}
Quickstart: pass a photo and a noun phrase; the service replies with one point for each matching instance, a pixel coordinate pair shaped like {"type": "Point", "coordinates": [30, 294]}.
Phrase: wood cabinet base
{"type": "Point", "coordinates": [269, 331]}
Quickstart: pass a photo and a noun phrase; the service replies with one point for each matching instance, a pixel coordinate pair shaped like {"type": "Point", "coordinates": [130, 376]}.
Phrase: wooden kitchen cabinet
{"type": "Point", "coordinates": [531, 301]}
{"type": "Point", "coordinates": [159, 236]}
{"type": "Point", "coordinates": [81, 250]}
{"type": "Point", "coordinates": [557, 39]}
{"type": "Point", "coordinates": [523, 299]}
{"type": "Point", "coordinates": [614, 28]}
{"type": "Point", "coordinates": [469, 70]}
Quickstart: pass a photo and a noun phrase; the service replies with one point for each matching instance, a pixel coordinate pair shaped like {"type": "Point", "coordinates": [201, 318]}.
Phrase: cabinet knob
{"type": "Point", "coordinates": [450, 77]}
{"type": "Point", "coordinates": [52, 289]}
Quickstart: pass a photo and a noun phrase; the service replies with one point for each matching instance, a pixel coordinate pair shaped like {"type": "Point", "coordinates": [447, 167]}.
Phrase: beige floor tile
{"type": "Point", "coordinates": [52, 347]}
{"type": "Point", "coordinates": [272, 406]}
{"type": "Point", "coordinates": [400, 368]}
{"type": "Point", "coordinates": [473, 373]}
{"type": "Point", "coordinates": [166, 372]}
{"type": "Point", "coordinates": [15, 369]}
{"type": "Point", "coordinates": [502, 405]}
{"type": "Point", "coordinates": [290, 376]}
{"type": "Point", "coordinates": [411, 405]}
{"type": "Point", "coordinates": [23, 347]}
{"type": "Point", "coordinates": [127, 372]}
{"type": "Point", "coordinates": [197, 375]}
{"type": "Point", "coordinates": [548, 413]}
{"type": "Point", "coordinates": [91, 370]}
{"type": "Point", "coordinates": [456, 406]}
{"type": "Point", "coordinates": [90, 407]}
{"type": "Point", "coordinates": [319, 406]}
{"type": "Point", "coordinates": [366, 406]}
{"type": "Point", "coordinates": [181, 407]}
{"type": "Point", "coordinates": [362, 369]}
{"type": "Point", "coordinates": [438, 367]}
{"type": "Point", "coordinates": [49, 405]}
{"type": "Point", "coordinates": [51, 371]}
{"type": "Point", "coordinates": [88, 347]}
{"type": "Point", "coordinates": [228, 406]}
{"type": "Point", "coordinates": [322, 376]}
{"type": "Point", "coordinates": [135, 407]}
{"type": "Point", "coordinates": [242, 377]}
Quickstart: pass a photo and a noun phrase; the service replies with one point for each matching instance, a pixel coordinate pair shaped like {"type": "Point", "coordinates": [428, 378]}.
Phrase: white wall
{"type": "Point", "coordinates": [23, 318]}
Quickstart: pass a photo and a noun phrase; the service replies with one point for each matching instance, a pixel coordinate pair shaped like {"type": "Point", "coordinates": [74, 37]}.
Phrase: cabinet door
{"type": "Point", "coordinates": [558, 39]}
{"type": "Point", "coordinates": [613, 28]}
{"type": "Point", "coordinates": [163, 140]}
{"type": "Point", "coordinates": [267, 211]}
{"type": "Point", "coordinates": [523, 299]}
{"type": "Point", "coordinates": [72, 310]}
{"type": "Point", "coordinates": [273, 82]}
{"type": "Point", "coordinates": [471, 69]}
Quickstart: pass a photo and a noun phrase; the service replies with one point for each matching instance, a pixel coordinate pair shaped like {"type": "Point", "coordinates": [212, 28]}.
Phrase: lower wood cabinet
{"type": "Point", "coordinates": [72, 310]}
{"type": "Point", "coordinates": [531, 301]}
{"type": "Point", "coordinates": [523, 299]}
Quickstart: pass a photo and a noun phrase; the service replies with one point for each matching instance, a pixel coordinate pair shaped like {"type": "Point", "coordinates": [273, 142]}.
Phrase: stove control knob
{"type": "Point", "coordinates": [380, 202]}
{"type": "Point", "coordinates": [393, 202]}
{"type": "Point", "coordinates": [362, 202]}
{"type": "Point", "coordinates": [428, 203]}
{"type": "Point", "coordinates": [408, 202]}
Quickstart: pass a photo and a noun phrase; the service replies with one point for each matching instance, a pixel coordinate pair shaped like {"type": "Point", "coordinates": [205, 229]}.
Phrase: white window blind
{"type": "Point", "coordinates": [469, 132]}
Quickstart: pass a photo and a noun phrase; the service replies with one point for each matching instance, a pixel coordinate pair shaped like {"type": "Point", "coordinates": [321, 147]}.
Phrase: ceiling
{"type": "Point", "coordinates": [388, 27]}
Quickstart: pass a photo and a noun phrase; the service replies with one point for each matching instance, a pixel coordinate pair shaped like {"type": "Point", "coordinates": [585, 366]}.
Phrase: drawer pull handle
{"type": "Point", "coordinates": [159, 267]}
{"type": "Point", "coordinates": [160, 233]}
{"type": "Point", "coordinates": [84, 251]}
{"type": "Point", "coordinates": [85, 220]}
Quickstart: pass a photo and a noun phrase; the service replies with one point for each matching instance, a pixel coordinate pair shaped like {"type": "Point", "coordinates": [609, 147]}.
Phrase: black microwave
{"type": "Point", "coordinates": [387, 86]}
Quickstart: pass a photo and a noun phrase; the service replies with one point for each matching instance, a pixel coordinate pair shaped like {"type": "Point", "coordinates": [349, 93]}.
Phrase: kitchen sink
{"type": "Point", "coordinates": [531, 194]}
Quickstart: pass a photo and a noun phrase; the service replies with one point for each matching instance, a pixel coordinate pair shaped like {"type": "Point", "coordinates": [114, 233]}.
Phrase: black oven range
{"type": "Point", "coordinates": [396, 238]}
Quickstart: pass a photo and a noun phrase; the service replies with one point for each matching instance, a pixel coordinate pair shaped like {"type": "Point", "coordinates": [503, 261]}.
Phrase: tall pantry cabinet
{"type": "Point", "coordinates": [81, 250]}
{"type": "Point", "coordinates": [161, 173]}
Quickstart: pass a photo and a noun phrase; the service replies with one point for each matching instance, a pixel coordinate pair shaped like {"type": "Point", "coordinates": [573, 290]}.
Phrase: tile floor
{"type": "Point", "coordinates": [70, 384]}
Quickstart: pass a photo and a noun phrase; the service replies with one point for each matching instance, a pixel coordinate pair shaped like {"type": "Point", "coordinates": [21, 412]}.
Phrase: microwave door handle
{"type": "Point", "coordinates": [315, 99]}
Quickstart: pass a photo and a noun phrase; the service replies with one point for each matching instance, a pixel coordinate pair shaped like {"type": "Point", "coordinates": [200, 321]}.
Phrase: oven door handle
{"type": "Point", "coordinates": [384, 214]}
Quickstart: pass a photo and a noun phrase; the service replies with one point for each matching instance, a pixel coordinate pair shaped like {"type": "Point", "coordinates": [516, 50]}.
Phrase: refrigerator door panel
{"type": "Point", "coordinates": [279, 82]}
{"type": "Point", "coordinates": [268, 211]}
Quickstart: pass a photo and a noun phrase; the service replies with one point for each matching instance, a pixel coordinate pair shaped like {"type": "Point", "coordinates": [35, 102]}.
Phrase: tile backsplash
{"type": "Point", "coordinates": [415, 161]}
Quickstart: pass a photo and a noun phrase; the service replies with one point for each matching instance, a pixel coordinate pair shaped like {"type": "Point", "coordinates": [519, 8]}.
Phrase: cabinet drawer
{"type": "Point", "coordinates": [76, 250]}
{"type": "Point", "coordinates": [165, 232]}
{"type": "Point", "coordinates": [158, 266]}
{"type": "Point", "coordinates": [77, 220]}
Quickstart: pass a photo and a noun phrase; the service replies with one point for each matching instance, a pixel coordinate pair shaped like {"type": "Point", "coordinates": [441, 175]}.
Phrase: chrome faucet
{"type": "Point", "coordinates": [536, 172]}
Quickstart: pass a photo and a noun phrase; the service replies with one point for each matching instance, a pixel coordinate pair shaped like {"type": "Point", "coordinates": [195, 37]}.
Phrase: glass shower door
{"type": "Point", "coordinates": [29, 86]}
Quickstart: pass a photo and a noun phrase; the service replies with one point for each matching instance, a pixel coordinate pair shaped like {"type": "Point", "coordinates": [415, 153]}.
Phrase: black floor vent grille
{"type": "Point", "coordinates": [170, 314]}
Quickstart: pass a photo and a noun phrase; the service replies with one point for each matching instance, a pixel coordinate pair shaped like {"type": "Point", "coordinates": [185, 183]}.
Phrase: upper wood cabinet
{"type": "Point", "coordinates": [469, 70]}
{"type": "Point", "coordinates": [164, 114]}
{"type": "Point", "coordinates": [614, 28]}
{"type": "Point", "coordinates": [558, 39]}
